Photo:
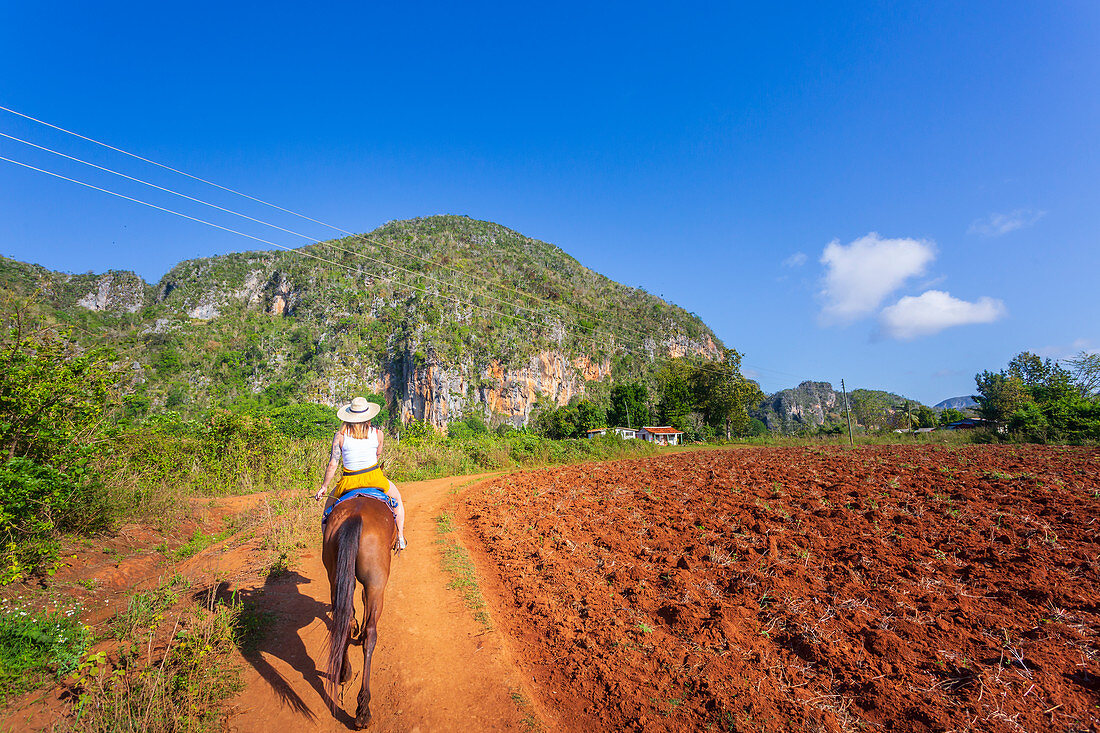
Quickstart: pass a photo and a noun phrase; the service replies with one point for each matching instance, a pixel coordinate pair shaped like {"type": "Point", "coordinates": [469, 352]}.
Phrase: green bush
{"type": "Point", "coordinates": [305, 420]}
{"type": "Point", "coordinates": [28, 493]}
{"type": "Point", "coordinates": [36, 502]}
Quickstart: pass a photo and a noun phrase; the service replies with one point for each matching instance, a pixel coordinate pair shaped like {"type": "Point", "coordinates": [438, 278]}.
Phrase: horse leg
{"type": "Point", "coordinates": [372, 602]}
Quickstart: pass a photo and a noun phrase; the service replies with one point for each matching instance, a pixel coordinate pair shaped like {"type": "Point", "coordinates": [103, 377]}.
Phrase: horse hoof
{"type": "Point", "coordinates": [363, 719]}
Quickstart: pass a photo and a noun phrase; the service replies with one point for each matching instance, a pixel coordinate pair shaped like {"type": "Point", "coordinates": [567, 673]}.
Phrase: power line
{"type": "Point", "coordinates": [220, 208]}
{"type": "Point", "coordinates": [562, 306]}
{"type": "Point", "coordinates": [623, 342]}
{"type": "Point", "coordinates": [308, 238]}
{"type": "Point", "coordinates": [169, 168]}
{"type": "Point", "coordinates": [640, 344]}
{"type": "Point", "coordinates": [238, 193]}
{"type": "Point", "coordinates": [299, 251]}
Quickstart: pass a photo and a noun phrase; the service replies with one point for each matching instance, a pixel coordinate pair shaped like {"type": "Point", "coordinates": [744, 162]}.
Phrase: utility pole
{"type": "Point", "coordinates": [851, 440]}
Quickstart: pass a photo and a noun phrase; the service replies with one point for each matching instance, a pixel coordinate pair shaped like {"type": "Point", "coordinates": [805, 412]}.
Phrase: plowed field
{"type": "Point", "coordinates": [903, 588]}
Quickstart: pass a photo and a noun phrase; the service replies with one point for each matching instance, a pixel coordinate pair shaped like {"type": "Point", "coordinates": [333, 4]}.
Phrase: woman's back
{"type": "Point", "coordinates": [358, 453]}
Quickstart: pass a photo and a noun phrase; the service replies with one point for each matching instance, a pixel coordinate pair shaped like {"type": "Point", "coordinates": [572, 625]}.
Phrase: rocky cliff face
{"type": "Point", "coordinates": [808, 405]}
{"type": "Point", "coordinates": [115, 292]}
{"type": "Point", "coordinates": [813, 404]}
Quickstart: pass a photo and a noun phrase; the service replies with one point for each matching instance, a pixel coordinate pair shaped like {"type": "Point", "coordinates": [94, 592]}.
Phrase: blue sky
{"type": "Point", "coordinates": [897, 194]}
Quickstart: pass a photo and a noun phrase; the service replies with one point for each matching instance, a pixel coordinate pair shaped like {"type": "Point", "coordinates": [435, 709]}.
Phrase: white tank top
{"type": "Point", "coordinates": [358, 453]}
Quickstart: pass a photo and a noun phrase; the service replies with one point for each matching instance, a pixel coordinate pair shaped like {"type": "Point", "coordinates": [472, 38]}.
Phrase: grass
{"type": "Point", "coordinates": [145, 610]}
{"type": "Point", "coordinates": [457, 564]}
{"type": "Point", "coordinates": [37, 647]}
{"type": "Point", "coordinates": [199, 541]}
{"type": "Point", "coordinates": [530, 720]}
{"type": "Point", "coordinates": [290, 525]}
{"type": "Point", "coordinates": [250, 627]}
{"type": "Point", "coordinates": [186, 690]}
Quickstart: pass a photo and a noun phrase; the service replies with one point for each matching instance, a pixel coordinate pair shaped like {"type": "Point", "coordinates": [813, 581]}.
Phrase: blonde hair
{"type": "Point", "coordinates": [357, 430]}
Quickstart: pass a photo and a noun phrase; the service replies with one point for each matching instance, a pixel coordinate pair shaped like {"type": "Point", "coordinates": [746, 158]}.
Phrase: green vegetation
{"type": "Point", "coordinates": [55, 401]}
{"type": "Point", "coordinates": [276, 326]}
{"type": "Point", "coordinates": [37, 646]}
{"type": "Point", "coordinates": [1036, 400]}
{"type": "Point", "coordinates": [428, 454]}
{"type": "Point", "coordinates": [704, 399]}
{"type": "Point", "coordinates": [457, 564]}
{"type": "Point", "coordinates": [145, 610]}
{"type": "Point", "coordinates": [184, 691]}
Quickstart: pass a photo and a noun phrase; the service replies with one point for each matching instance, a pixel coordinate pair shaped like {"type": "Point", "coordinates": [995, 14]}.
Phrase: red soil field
{"type": "Point", "coordinates": [898, 588]}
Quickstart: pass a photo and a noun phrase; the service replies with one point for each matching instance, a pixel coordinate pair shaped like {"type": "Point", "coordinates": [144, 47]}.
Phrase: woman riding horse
{"type": "Point", "coordinates": [359, 532]}
{"type": "Point", "coordinates": [358, 445]}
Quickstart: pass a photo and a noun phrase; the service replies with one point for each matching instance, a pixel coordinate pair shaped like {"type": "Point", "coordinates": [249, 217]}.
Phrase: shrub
{"type": "Point", "coordinates": [305, 420]}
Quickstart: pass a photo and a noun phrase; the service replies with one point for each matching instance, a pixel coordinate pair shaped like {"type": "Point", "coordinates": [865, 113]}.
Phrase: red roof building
{"type": "Point", "coordinates": [661, 434]}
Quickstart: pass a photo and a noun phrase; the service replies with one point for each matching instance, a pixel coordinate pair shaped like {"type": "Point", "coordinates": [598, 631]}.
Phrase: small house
{"type": "Point", "coordinates": [660, 434]}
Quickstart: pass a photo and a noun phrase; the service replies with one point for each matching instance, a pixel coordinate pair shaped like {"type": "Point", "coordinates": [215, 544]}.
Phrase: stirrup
{"type": "Point", "coordinates": [401, 544]}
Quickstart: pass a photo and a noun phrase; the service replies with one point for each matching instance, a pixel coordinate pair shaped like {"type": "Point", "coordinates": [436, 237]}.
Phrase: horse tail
{"type": "Point", "coordinates": [343, 611]}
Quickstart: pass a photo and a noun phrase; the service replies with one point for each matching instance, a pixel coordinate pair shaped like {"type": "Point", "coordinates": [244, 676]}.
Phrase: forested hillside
{"type": "Point", "coordinates": [444, 316]}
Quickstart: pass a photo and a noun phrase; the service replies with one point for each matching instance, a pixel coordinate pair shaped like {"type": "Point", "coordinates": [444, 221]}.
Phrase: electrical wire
{"type": "Point", "coordinates": [361, 237]}
{"type": "Point", "coordinates": [276, 244]}
{"type": "Point", "coordinates": [364, 238]}
{"type": "Point", "coordinates": [306, 237]}
{"type": "Point", "coordinates": [622, 342]}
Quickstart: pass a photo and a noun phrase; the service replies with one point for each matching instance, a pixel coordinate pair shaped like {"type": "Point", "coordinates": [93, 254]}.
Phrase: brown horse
{"type": "Point", "coordinates": [359, 534]}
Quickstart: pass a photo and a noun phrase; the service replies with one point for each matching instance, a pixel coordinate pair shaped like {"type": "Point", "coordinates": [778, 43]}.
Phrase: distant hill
{"type": "Point", "coordinates": [965, 402]}
{"type": "Point", "coordinates": [813, 404]}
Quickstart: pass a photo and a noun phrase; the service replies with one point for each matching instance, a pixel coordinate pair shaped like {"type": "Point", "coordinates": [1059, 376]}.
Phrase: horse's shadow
{"type": "Point", "coordinates": [269, 625]}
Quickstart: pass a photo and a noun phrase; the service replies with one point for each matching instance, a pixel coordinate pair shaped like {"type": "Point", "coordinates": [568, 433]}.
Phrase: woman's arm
{"type": "Point", "coordinates": [333, 462]}
{"type": "Point", "coordinates": [381, 442]}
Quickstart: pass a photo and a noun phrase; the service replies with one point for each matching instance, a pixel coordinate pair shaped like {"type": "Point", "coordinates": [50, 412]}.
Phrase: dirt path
{"type": "Point", "coordinates": [435, 668]}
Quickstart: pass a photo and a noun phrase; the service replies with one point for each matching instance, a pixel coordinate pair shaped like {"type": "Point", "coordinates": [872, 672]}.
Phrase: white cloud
{"type": "Point", "coordinates": [860, 275]}
{"type": "Point", "coordinates": [1066, 351]}
{"type": "Point", "coordinates": [798, 259]}
{"type": "Point", "coordinates": [996, 225]}
{"type": "Point", "coordinates": [933, 311]}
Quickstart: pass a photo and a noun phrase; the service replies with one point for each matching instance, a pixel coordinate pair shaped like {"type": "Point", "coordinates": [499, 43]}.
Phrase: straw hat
{"type": "Point", "coordinates": [358, 411]}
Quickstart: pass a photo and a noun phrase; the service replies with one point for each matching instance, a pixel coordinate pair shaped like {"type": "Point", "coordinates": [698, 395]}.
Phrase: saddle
{"type": "Point", "coordinates": [370, 493]}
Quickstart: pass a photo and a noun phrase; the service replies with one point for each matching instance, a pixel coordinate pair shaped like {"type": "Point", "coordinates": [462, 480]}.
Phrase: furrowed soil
{"type": "Point", "coordinates": [901, 588]}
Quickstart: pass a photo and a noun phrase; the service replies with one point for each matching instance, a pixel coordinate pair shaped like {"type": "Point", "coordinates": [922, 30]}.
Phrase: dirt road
{"type": "Point", "coordinates": [435, 667]}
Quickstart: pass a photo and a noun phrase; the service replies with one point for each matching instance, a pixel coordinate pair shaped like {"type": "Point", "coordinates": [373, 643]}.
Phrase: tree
{"type": "Point", "coordinates": [53, 393]}
{"type": "Point", "coordinates": [999, 395]}
{"type": "Point", "coordinates": [55, 397]}
{"type": "Point", "coordinates": [869, 407]}
{"type": "Point", "coordinates": [1031, 369]}
{"type": "Point", "coordinates": [1037, 400]}
{"type": "Point", "coordinates": [1085, 369]}
{"type": "Point", "coordinates": [570, 421]}
{"type": "Point", "coordinates": [677, 400]}
{"type": "Point", "coordinates": [725, 395]}
{"type": "Point", "coordinates": [925, 417]}
{"type": "Point", "coordinates": [589, 416]}
{"type": "Point", "coordinates": [629, 405]}
{"type": "Point", "coordinates": [950, 415]}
